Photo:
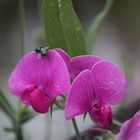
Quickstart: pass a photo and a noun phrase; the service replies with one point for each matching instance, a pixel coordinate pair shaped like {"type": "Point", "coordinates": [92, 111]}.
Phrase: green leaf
{"type": "Point", "coordinates": [107, 137]}
{"type": "Point", "coordinates": [62, 27]}
{"type": "Point", "coordinates": [27, 117]}
{"type": "Point", "coordinates": [83, 137]}
{"type": "Point", "coordinates": [6, 107]}
{"type": "Point", "coordinates": [24, 114]}
{"type": "Point", "coordinates": [59, 104]}
{"type": "Point", "coordinates": [56, 105]}
{"type": "Point", "coordinates": [84, 117]}
{"type": "Point", "coordinates": [96, 25]}
{"type": "Point", "coordinates": [4, 98]}
{"type": "Point", "coordinates": [51, 109]}
{"type": "Point", "coordinates": [8, 129]}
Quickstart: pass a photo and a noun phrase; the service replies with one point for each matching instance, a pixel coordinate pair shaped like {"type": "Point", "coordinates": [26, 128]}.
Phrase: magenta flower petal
{"type": "Point", "coordinates": [59, 81]}
{"type": "Point", "coordinates": [77, 64]}
{"type": "Point", "coordinates": [101, 113]}
{"type": "Point", "coordinates": [109, 82]}
{"type": "Point", "coordinates": [25, 96]}
{"type": "Point", "coordinates": [48, 72]}
{"type": "Point", "coordinates": [83, 62]}
{"type": "Point", "coordinates": [65, 57]}
{"type": "Point", "coordinates": [130, 130]}
{"type": "Point", "coordinates": [80, 96]}
{"type": "Point", "coordinates": [39, 101]}
{"type": "Point", "coordinates": [67, 60]}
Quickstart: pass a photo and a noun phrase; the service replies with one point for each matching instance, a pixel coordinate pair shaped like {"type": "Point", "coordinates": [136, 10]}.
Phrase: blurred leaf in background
{"type": "Point", "coordinates": [96, 25]}
{"type": "Point", "coordinates": [6, 107]}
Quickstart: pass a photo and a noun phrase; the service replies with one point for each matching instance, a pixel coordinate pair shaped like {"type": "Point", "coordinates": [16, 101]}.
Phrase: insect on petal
{"type": "Point", "coordinates": [48, 72]}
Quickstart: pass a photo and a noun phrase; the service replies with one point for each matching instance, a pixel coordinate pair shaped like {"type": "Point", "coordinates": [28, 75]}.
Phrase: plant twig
{"type": "Point", "coordinates": [22, 26]}
{"type": "Point", "coordinates": [76, 129]}
{"type": "Point", "coordinates": [97, 22]}
{"type": "Point", "coordinates": [118, 123]}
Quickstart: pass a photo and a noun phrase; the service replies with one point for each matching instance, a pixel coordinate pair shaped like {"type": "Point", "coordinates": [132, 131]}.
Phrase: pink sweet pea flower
{"type": "Point", "coordinates": [94, 91]}
{"type": "Point", "coordinates": [79, 63]}
{"type": "Point", "coordinates": [38, 79]}
{"type": "Point", "coordinates": [130, 130]}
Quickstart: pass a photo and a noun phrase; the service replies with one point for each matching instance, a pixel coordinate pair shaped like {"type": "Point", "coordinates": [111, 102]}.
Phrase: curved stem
{"type": "Point", "coordinates": [117, 122]}
{"type": "Point", "coordinates": [17, 124]}
{"type": "Point", "coordinates": [22, 25]}
{"type": "Point", "coordinates": [97, 22]}
{"type": "Point", "coordinates": [76, 129]}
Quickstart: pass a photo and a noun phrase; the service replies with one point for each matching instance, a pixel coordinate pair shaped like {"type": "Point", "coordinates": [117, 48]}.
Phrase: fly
{"type": "Point", "coordinates": [42, 50]}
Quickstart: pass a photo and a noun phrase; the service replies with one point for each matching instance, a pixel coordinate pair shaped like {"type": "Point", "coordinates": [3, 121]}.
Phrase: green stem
{"type": "Point", "coordinates": [22, 25]}
{"type": "Point", "coordinates": [76, 129]}
{"type": "Point", "coordinates": [18, 125]}
{"type": "Point", "coordinates": [19, 135]}
{"type": "Point", "coordinates": [97, 22]}
{"type": "Point", "coordinates": [117, 122]}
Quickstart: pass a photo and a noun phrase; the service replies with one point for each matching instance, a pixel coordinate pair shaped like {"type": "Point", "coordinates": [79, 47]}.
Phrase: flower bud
{"type": "Point", "coordinates": [101, 114]}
